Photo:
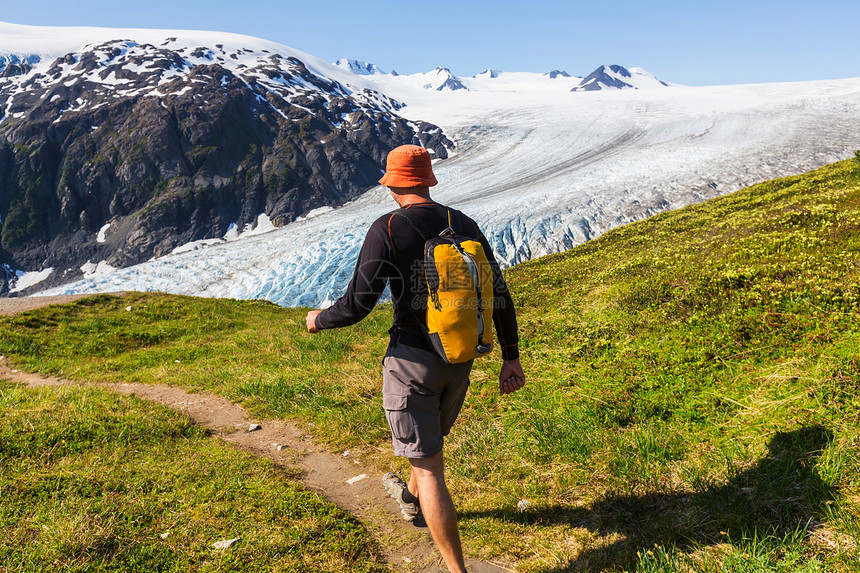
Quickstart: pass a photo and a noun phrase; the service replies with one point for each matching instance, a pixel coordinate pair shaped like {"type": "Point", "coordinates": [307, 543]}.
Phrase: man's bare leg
{"type": "Point", "coordinates": [427, 483]}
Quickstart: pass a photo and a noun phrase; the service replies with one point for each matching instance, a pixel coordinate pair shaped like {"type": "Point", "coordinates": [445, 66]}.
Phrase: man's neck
{"type": "Point", "coordinates": [411, 196]}
{"type": "Point", "coordinates": [406, 200]}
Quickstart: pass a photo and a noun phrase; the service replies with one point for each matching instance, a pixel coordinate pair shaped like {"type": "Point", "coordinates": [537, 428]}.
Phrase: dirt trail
{"type": "Point", "coordinates": [15, 305]}
{"type": "Point", "coordinates": [407, 548]}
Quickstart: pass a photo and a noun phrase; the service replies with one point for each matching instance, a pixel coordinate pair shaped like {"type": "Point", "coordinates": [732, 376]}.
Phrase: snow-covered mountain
{"type": "Point", "coordinates": [441, 79]}
{"type": "Point", "coordinates": [557, 74]}
{"type": "Point", "coordinates": [612, 77]}
{"type": "Point", "coordinates": [358, 67]}
{"type": "Point", "coordinates": [489, 74]}
{"type": "Point", "coordinates": [120, 145]}
{"type": "Point", "coordinates": [541, 168]}
{"type": "Point", "coordinates": [618, 77]}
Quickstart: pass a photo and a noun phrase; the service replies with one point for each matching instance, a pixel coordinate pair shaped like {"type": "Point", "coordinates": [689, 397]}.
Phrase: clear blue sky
{"type": "Point", "coordinates": [687, 42]}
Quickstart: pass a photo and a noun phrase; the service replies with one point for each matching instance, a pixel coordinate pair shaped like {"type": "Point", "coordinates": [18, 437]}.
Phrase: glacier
{"type": "Point", "coordinates": [541, 169]}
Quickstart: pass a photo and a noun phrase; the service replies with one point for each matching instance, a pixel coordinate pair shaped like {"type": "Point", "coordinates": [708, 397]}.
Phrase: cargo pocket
{"type": "Point", "coordinates": [399, 420]}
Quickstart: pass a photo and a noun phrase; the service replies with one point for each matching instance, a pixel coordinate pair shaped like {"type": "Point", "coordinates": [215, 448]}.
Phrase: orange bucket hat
{"type": "Point", "coordinates": [408, 166]}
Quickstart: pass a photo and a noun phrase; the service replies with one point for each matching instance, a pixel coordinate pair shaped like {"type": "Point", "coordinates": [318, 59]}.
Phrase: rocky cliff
{"type": "Point", "coordinates": [122, 151]}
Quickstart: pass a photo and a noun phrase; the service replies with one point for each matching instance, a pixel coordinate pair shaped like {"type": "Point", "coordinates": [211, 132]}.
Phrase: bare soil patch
{"type": "Point", "coordinates": [14, 305]}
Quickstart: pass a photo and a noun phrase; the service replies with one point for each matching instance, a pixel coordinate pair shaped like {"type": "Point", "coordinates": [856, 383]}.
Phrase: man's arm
{"type": "Point", "coordinates": [504, 313]}
{"type": "Point", "coordinates": [372, 270]}
{"type": "Point", "coordinates": [511, 376]}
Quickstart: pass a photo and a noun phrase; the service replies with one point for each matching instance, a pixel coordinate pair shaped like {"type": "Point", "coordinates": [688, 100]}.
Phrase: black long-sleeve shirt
{"type": "Point", "coordinates": [393, 254]}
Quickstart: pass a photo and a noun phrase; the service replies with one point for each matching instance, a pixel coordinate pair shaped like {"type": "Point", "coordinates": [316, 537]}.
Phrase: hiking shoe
{"type": "Point", "coordinates": [395, 488]}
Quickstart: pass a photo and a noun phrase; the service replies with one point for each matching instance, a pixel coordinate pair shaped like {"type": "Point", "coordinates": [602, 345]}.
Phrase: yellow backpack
{"type": "Point", "coordinates": [460, 285]}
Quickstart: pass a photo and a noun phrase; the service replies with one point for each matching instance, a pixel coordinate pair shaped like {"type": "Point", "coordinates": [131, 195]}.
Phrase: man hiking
{"type": "Point", "coordinates": [422, 393]}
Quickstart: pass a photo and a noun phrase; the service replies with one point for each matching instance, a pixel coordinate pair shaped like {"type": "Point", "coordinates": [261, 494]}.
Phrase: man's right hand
{"type": "Point", "coordinates": [310, 321]}
{"type": "Point", "coordinates": [511, 378]}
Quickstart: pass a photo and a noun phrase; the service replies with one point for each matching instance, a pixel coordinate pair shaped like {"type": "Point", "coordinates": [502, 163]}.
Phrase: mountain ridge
{"type": "Point", "coordinates": [604, 77]}
{"type": "Point", "coordinates": [124, 150]}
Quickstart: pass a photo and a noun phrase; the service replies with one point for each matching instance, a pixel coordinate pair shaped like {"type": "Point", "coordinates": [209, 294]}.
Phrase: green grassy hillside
{"type": "Point", "coordinates": [692, 402]}
{"type": "Point", "coordinates": [94, 481]}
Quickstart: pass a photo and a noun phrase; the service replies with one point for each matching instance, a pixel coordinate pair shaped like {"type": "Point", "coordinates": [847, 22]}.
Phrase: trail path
{"type": "Point", "coordinates": [407, 548]}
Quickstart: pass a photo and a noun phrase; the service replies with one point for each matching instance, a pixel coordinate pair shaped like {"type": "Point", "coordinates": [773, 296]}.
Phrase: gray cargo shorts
{"type": "Point", "coordinates": [422, 396]}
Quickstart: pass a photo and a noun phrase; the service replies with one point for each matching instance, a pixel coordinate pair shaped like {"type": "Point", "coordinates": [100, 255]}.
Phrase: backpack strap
{"type": "Point", "coordinates": [412, 223]}
{"type": "Point", "coordinates": [418, 225]}
{"type": "Point", "coordinates": [459, 228]}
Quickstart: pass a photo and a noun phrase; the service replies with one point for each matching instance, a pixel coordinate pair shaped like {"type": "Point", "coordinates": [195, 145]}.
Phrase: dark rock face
{"type": "Point", "coordinates": [16, 65]}
{"type": "Point", "coordinates": [167, 151]}
{"type": "Point", "coordinates": [452, 84]}
{"type": "Point", "coordinates": [557, 74]}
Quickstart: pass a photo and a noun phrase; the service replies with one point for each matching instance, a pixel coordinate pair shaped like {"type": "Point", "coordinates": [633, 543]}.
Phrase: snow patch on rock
{"type": "Point", "coordinates": [100, 238]}
{"type": "Point", "coordinates": [24, 280]}
{"type": "Point", "coordinates": [94, 269]}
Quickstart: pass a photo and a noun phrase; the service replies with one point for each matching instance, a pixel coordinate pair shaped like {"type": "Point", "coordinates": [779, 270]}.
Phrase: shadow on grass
{"type": "Point", "coordinates": [779, 494]}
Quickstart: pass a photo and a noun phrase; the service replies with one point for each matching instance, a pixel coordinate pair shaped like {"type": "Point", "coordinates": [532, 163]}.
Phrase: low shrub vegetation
{"type": "Point", "coordinates": [693, 401]}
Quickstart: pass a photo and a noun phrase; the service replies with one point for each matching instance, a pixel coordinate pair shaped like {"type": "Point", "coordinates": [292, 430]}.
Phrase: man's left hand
{"type": "Point", "coordinates": [310, 321]}
{"type": "Point", "coordinates": [511, 377]}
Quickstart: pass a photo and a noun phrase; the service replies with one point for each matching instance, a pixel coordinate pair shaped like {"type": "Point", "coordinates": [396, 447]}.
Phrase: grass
{"type": "Point", "coordinates": [693, 400]}
{"type": "Point", "coordinates": [768, 554]}
{"type": "Point", "coordinates": [247, 350]}
{"type": "Point", "coordinates": [94, 481]}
